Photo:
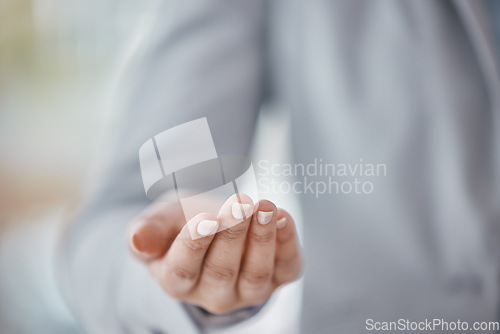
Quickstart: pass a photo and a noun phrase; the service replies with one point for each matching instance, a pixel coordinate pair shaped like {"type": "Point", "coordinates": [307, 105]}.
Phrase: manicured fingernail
{"type": "Point", "coordinates": [281, 222]}
{"type": "Point", "coordinates": [264, 217]}
{"type": "Point", "coordinates": [206, 227]}
{"type": "Point", "coordinates": [240, 211]}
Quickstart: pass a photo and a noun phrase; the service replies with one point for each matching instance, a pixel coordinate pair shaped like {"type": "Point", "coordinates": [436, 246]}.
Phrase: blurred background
{"type": "Point", "coordinates": [57, 64]}
{"type": "Point", "coordinates": [60, 61]}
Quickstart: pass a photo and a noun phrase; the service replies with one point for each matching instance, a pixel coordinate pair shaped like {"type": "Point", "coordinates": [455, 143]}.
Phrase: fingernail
{"type": "Point", "coordinates": [134, 243]}
{"type": "Point", "coordinates": [264, 217]}
{"type": "Point", "coordinates": [240, 211]}
{"type": "Point", "coordinates": [206, 227]}
{"type": "Point", "coordinates": [281, 222]}
{"type": "Point", "coordinates": [146, 239]}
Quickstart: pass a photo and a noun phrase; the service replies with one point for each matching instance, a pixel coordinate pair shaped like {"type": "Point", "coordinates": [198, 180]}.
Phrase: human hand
{"type": "Point", "coordinates": [221, 272]}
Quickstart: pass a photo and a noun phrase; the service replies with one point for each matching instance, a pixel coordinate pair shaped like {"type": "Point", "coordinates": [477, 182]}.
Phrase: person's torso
{"type": "Point", "coordinates": [394, 84]}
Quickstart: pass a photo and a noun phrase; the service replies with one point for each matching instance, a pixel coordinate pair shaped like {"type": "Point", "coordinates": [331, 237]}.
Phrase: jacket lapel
{"type": "Point", "coordinates": [476, 23]}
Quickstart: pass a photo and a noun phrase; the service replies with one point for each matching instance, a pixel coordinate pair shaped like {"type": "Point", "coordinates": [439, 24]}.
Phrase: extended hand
{"type": "Point", "coordinates": [220, 272]}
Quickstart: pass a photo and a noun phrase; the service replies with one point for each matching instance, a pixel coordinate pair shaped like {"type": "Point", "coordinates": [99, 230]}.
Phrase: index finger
{"type": "Point", "coordinates": [180, 268]}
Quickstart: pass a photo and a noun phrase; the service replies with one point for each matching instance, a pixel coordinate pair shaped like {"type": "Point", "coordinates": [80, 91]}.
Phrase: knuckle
{"type": "Point", "coordinates": [284, 265]}
{"type": "Point", "coordinates": [255, 278]}
{"type": "Point", "coordinates": [263, 237]}
{"type": "Point", "coordinates": [235, 232]}
{"type": "Point", "coordinates": [286, 235]}
{"type": "Point", "coordinates": [177, 281]}
{"type": "Point", "coordinates": [184, 274]}
{"type": "Point", "coordinates": [219, 273]}
{"type": "Point", "coordinates": [194, 245]}
{"type": "Point", "coordinates": [287, 258]}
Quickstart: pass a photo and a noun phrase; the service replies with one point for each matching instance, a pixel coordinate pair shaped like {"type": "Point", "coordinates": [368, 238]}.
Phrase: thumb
{"type": "Point", "coordinates": [150, 236]}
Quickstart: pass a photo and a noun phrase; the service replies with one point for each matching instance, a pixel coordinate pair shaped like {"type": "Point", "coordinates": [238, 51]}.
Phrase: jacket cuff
{"type": "Point", "coordinates": [205, 319]}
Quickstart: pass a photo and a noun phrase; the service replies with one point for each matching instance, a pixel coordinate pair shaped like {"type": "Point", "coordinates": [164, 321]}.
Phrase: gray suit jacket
{"type": "Point", "coordinates": [410, 84]}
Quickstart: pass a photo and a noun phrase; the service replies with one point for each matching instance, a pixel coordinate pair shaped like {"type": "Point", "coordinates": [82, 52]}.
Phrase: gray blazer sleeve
{"type": "Point", "coordinates": [195, 59]}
